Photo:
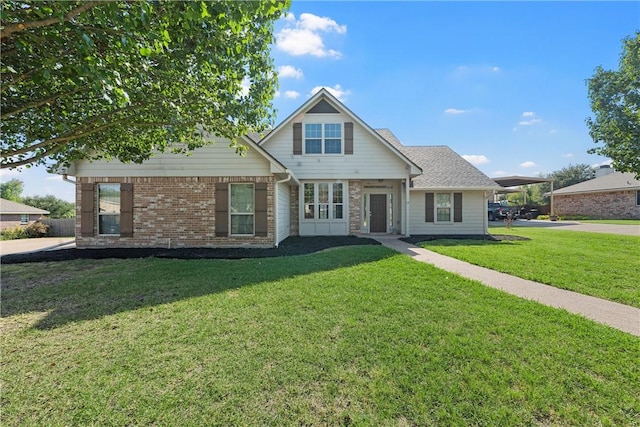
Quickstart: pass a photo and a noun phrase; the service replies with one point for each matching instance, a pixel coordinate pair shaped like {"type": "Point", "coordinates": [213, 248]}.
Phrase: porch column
{"type": "Point", "coordinates": [407, 218]}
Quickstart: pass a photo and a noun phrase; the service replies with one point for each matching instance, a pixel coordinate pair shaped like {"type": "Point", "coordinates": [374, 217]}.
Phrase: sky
{"type": "Point", "coordinates": [501, 83]}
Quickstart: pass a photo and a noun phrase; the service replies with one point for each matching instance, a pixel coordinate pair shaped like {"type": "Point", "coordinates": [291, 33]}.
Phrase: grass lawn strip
{"type": "Point", "coordinates": [353, 335]}
{"type": "Point", "coordinates": [600, 265]}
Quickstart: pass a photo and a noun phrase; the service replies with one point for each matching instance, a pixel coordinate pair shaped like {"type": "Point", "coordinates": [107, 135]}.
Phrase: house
{"type": "Point", "coordinates": [322, 171]}
{"type": "Point", "coordinates": [614, 195]}
{"type": "Point", "coordinates": [14, 213]}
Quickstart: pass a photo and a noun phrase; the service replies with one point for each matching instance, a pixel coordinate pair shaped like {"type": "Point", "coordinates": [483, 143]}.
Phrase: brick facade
{"type": "Point", "coordinates": [604, 205]}
{"type": "Point", "coordinates": [175, 212]}
{"type": "Point", "coordinates": [12, 220]}
{"type": "Point", "coordinates": [355, 206]}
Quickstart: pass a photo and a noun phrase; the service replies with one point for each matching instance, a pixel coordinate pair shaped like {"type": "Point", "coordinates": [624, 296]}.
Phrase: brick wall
{"type": "Point", "coordinates": [606, 205]}
{"type": "Point", "coordinates": [175, 212]}
{"type": "Point", "coordinates": [355, 205]}
{"type": "Point", "coordinates": [11, 220]}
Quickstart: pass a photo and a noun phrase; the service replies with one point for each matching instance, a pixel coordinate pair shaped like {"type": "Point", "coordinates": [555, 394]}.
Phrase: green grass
{"type": "Point", "coordinates": [596, 264]}
{"type": "Point", "coordinates": [356, 335]}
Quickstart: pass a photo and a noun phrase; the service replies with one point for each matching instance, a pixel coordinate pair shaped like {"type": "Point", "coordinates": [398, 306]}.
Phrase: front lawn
{"type": "Point", "coordinates": [596, 264]}
{"type": "Point", "coordinates": [357, 335]}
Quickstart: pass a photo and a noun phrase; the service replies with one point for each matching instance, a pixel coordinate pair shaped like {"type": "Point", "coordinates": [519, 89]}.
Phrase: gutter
{"type": "Point", "coordinates": [65, 179]}
{"type": "Point", "coordinates": [275, 204]}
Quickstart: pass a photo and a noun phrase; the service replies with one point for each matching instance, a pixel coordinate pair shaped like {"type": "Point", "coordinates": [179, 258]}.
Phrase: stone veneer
{"type": "Point", "coordinates": [355, 205]}
{"type": "Point", "coordinates": [175, 212]}
{"type": "Point", "coordinates": [294, 213]}
{"type": "Point", "coordinates": [604, 205]}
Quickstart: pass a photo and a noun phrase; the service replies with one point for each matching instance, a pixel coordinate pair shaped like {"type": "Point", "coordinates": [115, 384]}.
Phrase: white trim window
{"type": "Point", "coordinates": [637, 197]}
{"type": "Point", "coordinates": [241, 209]}
{"type": "Point", "coordinates": [323, 201]}
{"type": "Point", "coordinates": [323, 138]}
{"type": "Point", "coordinates": [444, 207]}
{"type": "Point", "coordinates": [24, 219]}
{"type": "Point", "coordinates": [108, 209]}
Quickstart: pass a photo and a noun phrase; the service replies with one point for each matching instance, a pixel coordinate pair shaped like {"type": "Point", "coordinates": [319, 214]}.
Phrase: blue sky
{"type": "Point", "coordinates": [501, 83]}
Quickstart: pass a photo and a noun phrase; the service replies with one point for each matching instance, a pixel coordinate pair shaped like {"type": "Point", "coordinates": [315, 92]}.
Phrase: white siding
{"type": "Point", "coordinates": [214, 160]}
{"type": "Point", "coordinates": [283, 212]}
{"type": "Point", "coordinates": [474, 212]}
{"type": "Point", "coordinates": [371, 158]}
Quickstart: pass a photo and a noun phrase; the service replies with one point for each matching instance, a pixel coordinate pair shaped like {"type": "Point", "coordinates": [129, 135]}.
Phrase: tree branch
{"type": "Point", "coordinates": [6, 114]}
{"type": "Point", "coordinates": [8, 30]}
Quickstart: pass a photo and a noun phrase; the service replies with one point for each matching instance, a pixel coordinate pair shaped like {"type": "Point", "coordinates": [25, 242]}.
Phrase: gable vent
{"type": "Point", "coordinates": [322, 107]}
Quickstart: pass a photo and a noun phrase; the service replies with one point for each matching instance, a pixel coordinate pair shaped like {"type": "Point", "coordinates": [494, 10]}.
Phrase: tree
{"type": "Point", "coordinates": [12, 190]}
{"type": "Point", "coordinates": [57, 208]}
{"type": "Point", "coordinates": [121, 79]}
{"type": "Point", "coordinates": [615, 101]}
{"type": "Point", "coordinates": [567, 176]}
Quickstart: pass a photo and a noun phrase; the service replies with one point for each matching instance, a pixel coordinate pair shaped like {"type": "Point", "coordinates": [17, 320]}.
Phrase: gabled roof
{"type": "Point", "coordinates": [324, 95]}
{"type": "Point", "coordinates": [442, 167]}
{"type": "Point", "coordinates": [11, 207]}
{"type": "Point", "coordinates": [616, 181]}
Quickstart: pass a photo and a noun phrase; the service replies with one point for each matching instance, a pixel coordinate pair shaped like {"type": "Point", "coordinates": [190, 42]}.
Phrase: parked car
{"type": "Point", "coordinates": [497, 210]}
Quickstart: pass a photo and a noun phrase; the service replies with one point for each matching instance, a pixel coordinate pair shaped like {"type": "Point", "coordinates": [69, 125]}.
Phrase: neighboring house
{"type": "Point", "coordinates": [14, 213]}
{"type": "Point", "coordinates": [322, 171]}
{"type": "Point", "coordinates": [612, 196]}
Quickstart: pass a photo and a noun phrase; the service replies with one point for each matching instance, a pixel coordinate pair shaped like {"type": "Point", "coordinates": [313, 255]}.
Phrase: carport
{"type": "Point", "coordinates": [516, 181]}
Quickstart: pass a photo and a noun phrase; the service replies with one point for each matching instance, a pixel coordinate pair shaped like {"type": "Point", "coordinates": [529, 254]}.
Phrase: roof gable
{"type": "Point", "coordinates": [616, 181]}
{"type": "Point", "coordinates": [323, 102]}
{"type": "Point", "coordinates": [11, 207]}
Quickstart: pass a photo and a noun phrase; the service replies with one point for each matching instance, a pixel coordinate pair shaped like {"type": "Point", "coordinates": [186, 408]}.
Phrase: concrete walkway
{"type": "Point", "coordinates": [619, 316]}
{"type": "Point", "coordinates": [33, 245]}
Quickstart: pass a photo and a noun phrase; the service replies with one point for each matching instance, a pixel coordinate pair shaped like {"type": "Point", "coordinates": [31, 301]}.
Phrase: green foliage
{"type": "Point", "coordinates": [567, 176]}
{"type": "Point", "coordinates": [615, 101]}
{"type": "Point", "coordinates": [13, 233]}
{"type": "Point", "coordinates": [57, 208]}
{"type": "Point", "coordinates": [12, 190]}
{"type": "Point", "coordinates": [121, 79]}
{"type": "Point", "coordinates": [36, 229]}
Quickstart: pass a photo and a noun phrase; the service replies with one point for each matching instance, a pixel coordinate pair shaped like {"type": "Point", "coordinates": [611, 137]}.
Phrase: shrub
{"type": "Point", "coordinates": [13, 233]}
{"type": "Point", "coordinates": [37, 229]}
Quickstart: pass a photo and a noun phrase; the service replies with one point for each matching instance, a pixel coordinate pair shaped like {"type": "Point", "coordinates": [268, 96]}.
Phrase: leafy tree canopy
{"type": "Point", "coordinates": [11, 190]}
{"type": "Point", "coordinates": [120, 79]}
{"type": "Point", "coordinates": [615, 101]}
{"type": "Point", "coordinates": [57, 208]}
{"type": "Point", "coordinates": [567, 176]}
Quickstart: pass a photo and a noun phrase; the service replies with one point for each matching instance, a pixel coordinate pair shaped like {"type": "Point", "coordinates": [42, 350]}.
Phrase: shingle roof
{"type": "Point", "coordinates": [442, 167]}
{"type": "Point", "coordinates": [11, 207]}
{"type": "Point", "coordinates": [616, 181]}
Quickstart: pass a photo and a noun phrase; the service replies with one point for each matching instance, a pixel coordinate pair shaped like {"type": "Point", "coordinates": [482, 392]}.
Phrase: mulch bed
{"type": "Point", "coordinates": [288, 247]}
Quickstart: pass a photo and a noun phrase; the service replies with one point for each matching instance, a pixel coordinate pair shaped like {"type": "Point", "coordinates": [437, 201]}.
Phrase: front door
{"type": "Point", "coordinates": [378, 207]}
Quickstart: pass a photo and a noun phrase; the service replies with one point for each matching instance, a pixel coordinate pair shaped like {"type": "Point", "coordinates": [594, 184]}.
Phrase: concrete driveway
{"type": "Point", "coordinates": [32, 245]}
{"type": "Point", "coordinates": [627, 230]}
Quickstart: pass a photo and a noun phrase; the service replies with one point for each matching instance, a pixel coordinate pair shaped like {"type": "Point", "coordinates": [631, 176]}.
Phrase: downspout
{"type": "Point", "coordinates": [275, 204]}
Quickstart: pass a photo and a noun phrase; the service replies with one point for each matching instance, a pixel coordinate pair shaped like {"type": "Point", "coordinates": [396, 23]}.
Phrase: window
{"type": "Point", "coordinates": [242, 209]}
{"type": "Point", "coordinates": [638, 197]}
{"type": "Point", "coordinates": [443, 207]}
{"type": "Point", "coordinates": [323, 200]}
{"type": "Point", "coordinates": [108, 208]}
{"type": "Point", "coordinates": [24, 218]}
{"type": "Point", "coordinates": [323, 138]}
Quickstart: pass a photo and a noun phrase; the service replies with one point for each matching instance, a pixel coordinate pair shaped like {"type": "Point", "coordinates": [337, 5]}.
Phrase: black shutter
{"type": "Point", "coordinates": [297, 138]}
{"type": "Point", "coordinates": [348, 138]}
{"type": "Point", "coordinates": [261, 209]}
{"type": "Point", "coordinates": [87, 209]}
{"type": "Point", "coordinates": [457, 207]}
{"type": "Point", "coordinates": [126, 209]}
{"type": "Point", "coordinates": [222, 210]}
{"type": "Point", "coordinates": [428, 207]}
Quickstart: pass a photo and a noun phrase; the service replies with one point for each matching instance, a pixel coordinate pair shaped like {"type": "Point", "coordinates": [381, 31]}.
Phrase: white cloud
{"type": "Point", "coordinates": [495, 69]}
{"type": "Point", "coordinates": [8, 174]}
{"type": "Point", "coordinates": [303, 36]}
{"type": "Point", "coordinates": [290, 71]}
{"type": "Point", "coordinates": [553, 131]}
{"type": "Point", "coordinates": [475, 159]}
{"type": "Point", "coordinates": [527, 165]}
{"type": "Point", "coordinates": [291, 94]}
{"type": "Point", "coordinates": [454, 111]}
{"type": "Point", "coordinates": [530, 119]}
{"type": "Point", "coordinates": [54, 178]}
{"type": "Point", "coordinates": [528, 114]}
{"type": "Point", "coordinates": [277, 94]}
{"type": "Point", "coordinates": [336, 91]}
{"type": "Point", "coordinates": [567, 156]}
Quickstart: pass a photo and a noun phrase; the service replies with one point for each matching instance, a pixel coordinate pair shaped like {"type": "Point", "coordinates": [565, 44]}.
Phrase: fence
{"type": "Point", "coordinates": [61, 227]}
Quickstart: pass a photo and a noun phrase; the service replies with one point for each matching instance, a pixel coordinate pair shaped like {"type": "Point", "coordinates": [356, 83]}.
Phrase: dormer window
{"type": "Point", "coordinates": [323, 138]}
